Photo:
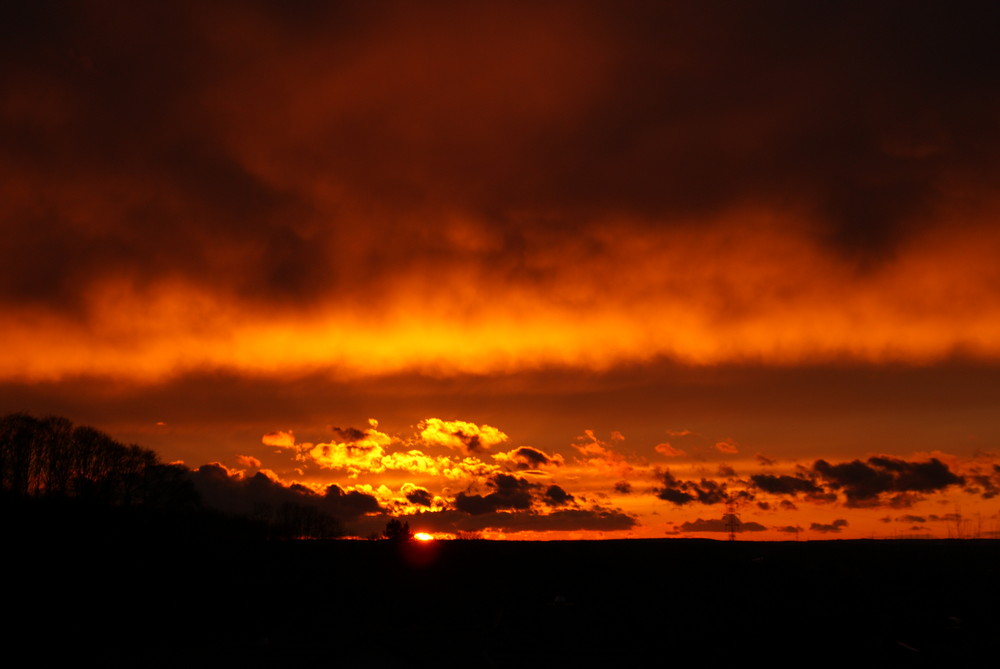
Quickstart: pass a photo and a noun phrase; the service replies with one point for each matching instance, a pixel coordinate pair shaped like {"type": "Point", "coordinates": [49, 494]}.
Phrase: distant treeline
{"type": "Point", "coordinates": [49, 466]}
{"type": "Point", "coordinates": [49, 457]}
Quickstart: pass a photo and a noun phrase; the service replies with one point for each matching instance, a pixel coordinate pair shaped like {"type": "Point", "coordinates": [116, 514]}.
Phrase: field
{"type": "Point", "coordinates": [507, 604]}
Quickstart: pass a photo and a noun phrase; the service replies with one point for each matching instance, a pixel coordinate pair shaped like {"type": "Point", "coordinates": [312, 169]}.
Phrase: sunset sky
{"type": "Point", "coordinates": [535, 269]}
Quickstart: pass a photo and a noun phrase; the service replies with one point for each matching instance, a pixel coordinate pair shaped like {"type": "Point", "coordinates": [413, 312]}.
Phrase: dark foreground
{"type": "Point", "coordinates": [484, 604]}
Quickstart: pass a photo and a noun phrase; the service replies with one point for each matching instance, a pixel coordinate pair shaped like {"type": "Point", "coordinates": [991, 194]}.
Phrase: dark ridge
{"type": "Point", "coordinates": [498, 604]}
{"type": "Point", "coordinates": [102, 571]}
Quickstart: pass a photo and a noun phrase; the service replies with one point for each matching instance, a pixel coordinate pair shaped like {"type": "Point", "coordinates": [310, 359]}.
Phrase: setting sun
{"type": "Point", "coordinates": [423, 536]}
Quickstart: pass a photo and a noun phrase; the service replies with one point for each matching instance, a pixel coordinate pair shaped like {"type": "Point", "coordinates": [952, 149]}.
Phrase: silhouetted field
{"type": "Point", "coordinates": [503, 604]}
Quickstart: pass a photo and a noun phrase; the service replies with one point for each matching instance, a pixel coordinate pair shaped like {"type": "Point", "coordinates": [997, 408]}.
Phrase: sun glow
{"type": "Point", "coordinates": [423, 536]}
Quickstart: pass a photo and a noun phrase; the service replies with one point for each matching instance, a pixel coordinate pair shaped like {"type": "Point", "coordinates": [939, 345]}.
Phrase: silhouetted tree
{"type": "Point", "coordinates": [17, 440]}
{"type": "Point", "coordinates": [56, 443]}
{"type": "Point", "coordinates": [169, 487]}
{"type": "Point", "coordinates": [397, 531]}
{"type": "Point", "coordinates": [468, 535]}
{"type": "Point", "coordinates": [304, 521]}
{"type": "Point", "coordinates": [48, 457]}
{"type": "Point", "coordinates": [49, 461]}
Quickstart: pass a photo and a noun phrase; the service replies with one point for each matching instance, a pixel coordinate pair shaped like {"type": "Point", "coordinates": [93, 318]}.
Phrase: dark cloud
{"type": "Point", "coordinates": [348, 434]}
{"type": "Point", "coordinates": [789, 529]}
{"type": "Point", "coordinates": [533, 456]}
{"type": "Point", "coordinates": [719, 525]}
{"type": "Point", "coordinates": [509, 492]}
{"type": "Point", "coordinates": [595, 519]}
{"type": "Point", "coordinates": [145, 189]}
{"type": "Point", "coordinates": [985, 483]}
{"type": "Point", "coordinates": [472, 441]}
{"type": "Point", "coordinates": [783, 485]}
{"type": "Point", "coordinates": [834, 527]}
{"type": "Point", "coordinates": [350, 504]}
{"type": "Point", "coordinates": [705, 491]}
{"type": "Point", "coordinates": [863, 483]}
{"type": "Point", "coordinates": [222, 490]}
{"type": "Point", "coordinates": [419, 496]}
{"type": "Point", "coordinates": [880, 481]}
{"type": "Point", "coordinates": [153, 153]}
{"type": "Point", "coordinates": [623, 488]}
{"type": "Point", "coordinates": [763, 460]}
{"type": "Point", "coordinates": [556, 496]}
{"type": "Point", "coordinates": [903, 500]}
{"type": "Point", "coordinates": [527, 457]}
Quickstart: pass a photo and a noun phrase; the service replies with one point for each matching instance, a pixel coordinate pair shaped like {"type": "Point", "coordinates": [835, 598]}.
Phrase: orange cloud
{"type": "Point", "coordinates": [267, 252]}
{"type": "Point", "coordinates": [668, 450]}
{"type": "Point", "coordinates": [363, 452]}
{"type": "Point", "coordinates": [590, 444]}
{"type": "Point", "coordinates": [600, 459]}
{"type": "Point", "coordinates": [279, 439]}
{"type": "Point", "coordinates": [460, 435]}
{"type": "Point", "coordinates": [248, 461]}
{"type": "Point", "coordinates": [715, 302]}
{"type": "Point", "coordinates": [727, 445]}
{"type": "Point", "coordinates": [526, 457]}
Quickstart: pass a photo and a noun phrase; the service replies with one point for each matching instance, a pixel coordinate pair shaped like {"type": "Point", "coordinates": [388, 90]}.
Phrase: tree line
{"type": "Point", "coordinates": [49, 461]}
{"type": "Point", "coordinates": [50, 457]}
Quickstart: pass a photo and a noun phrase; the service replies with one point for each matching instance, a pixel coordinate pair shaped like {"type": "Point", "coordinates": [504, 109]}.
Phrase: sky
{"type": "Point", "coordinates": [524, 269]}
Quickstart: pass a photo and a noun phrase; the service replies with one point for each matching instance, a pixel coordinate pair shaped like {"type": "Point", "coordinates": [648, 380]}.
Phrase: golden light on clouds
{"type": "Point", "coordinates": [460, 435]}
{"type": "Point", "coordinates": [730, 293]}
